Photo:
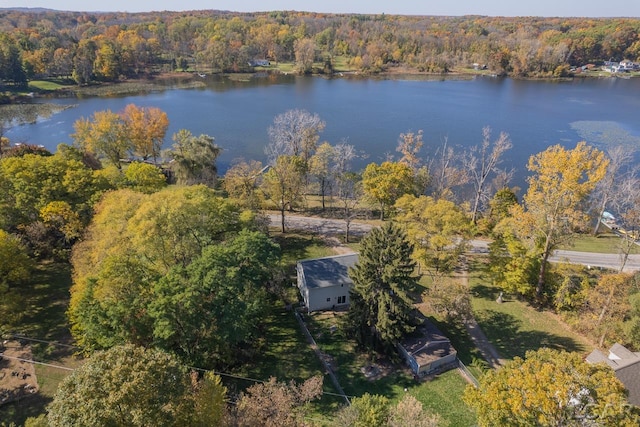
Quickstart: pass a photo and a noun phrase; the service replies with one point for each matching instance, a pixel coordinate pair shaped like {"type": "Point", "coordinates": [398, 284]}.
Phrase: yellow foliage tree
{"type": "Point", "coordinates": [103, 136]}
{"type": "Point", "coordinates": [387, 182]}
{"type": "Point", "coordinates": [438, 229]}
{"type": "Point", "coordinates": [145, 128]}
{"type": "Point", "coordinates": [550, 388]}
{"type": "Point", "coordinates": [561, 181]}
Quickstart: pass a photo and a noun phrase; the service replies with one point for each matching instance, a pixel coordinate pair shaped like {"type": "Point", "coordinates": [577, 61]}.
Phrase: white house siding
{"type": "Point", "coordinates": [326, 298]}
{"type": "Point", "coordinates": [324, 282]}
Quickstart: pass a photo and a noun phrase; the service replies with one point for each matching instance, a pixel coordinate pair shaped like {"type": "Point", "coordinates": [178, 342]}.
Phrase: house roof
{"type": "Point", "coordinates": [427, 344]}
{"type": "Point", "coordinates": [329, 271]}
{"type": "Point", "coordinates": [626, 365]}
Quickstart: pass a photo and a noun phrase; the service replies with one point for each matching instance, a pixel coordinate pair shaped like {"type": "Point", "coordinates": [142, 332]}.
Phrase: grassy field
{"type": "Point", "coordinates": [607, 243]}
{"type": "Point", "coordinates": [48, 85]}
{"type": "Point", "coordinates": [514, 327]}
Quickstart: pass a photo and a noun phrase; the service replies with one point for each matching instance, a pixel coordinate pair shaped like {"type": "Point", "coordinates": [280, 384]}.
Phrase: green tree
{"type": "Point", "coordinates": [85, 56]}
{"type": "Point", "coordinates": [144, 177]}
{"type": "Point", "coordinates": [124, 386]}
{"type": "Point", "coordinates": [194, 158]}
{"type": "Point", "coordinates": [381, 307]}
{"type": "Point", "coordinates": [133, 241]}
{"type": "Point", "coordinates": [16, 265]}
{"type": "Point", "coordinates": [438, 229]}
{"type": "Point", "coordinates": [11, 69]}
{"type": "Point", "coordinates": [15, 268]}
{"type": "Point", "coordinates": [500, 204]}
{"type": "Point", "coordinates": [31, 182]}
{"type": "Point", "coordinates": [209, 400]}
{"type": "Point", "coordinates": [387, 182]}
{"type": "Point", "coordinates": [204, 312]}
{"type": "Point", "coordinates": [513, 265]}
{"type": "Point", "coordinates": [551, 388]}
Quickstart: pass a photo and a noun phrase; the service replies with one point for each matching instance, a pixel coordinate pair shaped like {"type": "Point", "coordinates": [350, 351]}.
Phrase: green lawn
{"type": "Point", "coordinates": [441, 394]}
{"type": "Point", "coordinates": [46, 85]}
{"type": "Point", "coordinates": [607, 243]}
{"type": "Point", "coordinates": [514, 327]}
{"type": "Point", "coordinates": [298, 246]}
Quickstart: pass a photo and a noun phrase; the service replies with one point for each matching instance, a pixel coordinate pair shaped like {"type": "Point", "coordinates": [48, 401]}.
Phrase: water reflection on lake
{"type": "Point", "coordinates": [371, 113]}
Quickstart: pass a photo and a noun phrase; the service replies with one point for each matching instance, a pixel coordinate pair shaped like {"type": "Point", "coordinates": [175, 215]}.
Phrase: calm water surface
{"type": "Point", "coordinates": [371, 113]}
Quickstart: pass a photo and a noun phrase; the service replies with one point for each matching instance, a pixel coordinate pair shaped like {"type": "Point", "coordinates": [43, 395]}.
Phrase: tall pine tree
{"type": "Point", "coordinates": [381, 308]}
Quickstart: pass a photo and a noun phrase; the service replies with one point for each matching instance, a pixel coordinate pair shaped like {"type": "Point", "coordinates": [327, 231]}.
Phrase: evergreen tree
{"type": "Point", "coordinates": [381, 308]}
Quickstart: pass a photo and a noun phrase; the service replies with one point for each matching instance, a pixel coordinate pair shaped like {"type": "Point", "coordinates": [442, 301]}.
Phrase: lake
{"type": "Point", "coordinates": [371, 113]}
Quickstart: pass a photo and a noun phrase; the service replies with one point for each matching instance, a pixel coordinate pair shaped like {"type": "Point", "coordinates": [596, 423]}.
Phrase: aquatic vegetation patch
{"type": "Point", "coordinates": [606, 134]}
{"type": "Point", "coordinates": [20, 114]}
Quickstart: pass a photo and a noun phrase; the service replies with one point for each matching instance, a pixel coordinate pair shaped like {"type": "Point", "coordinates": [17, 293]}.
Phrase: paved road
{"type": "Point", "coordinates": [612, 261]}
{"type": "Point", "coordinates": [336, 227]}
{"type": "Point", "coordinates": [323, 226]}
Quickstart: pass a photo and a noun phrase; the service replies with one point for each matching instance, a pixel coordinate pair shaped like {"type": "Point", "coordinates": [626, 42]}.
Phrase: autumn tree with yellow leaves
{"type": "Point", "coordinates": [551, 388]}
{"type": "Point", "coordinates": [386, 182]}
{"type": "Point", "coordinates": [553, 205]}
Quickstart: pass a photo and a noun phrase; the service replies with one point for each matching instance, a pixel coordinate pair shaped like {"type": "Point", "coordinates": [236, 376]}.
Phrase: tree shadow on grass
{"type": "Point", "coordinates": [296, 246]}
{"type": "Point", "coordinates": [44, 303]}
{"type": "Point", "coordinates": [485, 292]}
{"type": "Point", "coordinates": [505, 333]}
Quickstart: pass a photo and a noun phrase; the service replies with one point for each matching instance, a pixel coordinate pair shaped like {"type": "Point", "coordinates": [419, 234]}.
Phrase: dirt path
{"type": "Point", "coordinates": [488, 351]}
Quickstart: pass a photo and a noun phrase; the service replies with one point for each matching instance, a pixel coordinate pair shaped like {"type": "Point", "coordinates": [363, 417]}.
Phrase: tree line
{"type": "Point", "coordinates": [91, 47]}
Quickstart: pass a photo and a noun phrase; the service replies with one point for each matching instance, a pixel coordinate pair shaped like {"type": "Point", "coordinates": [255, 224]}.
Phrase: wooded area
{"type": "Point", "coordinates": [91, 47]}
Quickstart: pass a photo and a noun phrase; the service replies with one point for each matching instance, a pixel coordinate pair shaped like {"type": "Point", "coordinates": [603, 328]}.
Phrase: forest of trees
{"type": "Point", "coordinates": [92, 47]}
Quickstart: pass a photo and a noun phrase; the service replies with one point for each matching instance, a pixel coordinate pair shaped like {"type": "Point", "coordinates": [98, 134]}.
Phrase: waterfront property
{"type": "Point", "coordinates": [324, 283]}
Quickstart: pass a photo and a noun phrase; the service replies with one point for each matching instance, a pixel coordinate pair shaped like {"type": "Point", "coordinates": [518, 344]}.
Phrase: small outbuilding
{"type": "Point", "coordinates": [324, 283]}
{"type": "Point", "coordinates": [427, 350]}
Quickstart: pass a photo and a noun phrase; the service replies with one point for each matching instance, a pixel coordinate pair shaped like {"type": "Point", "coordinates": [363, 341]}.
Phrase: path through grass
{"type": "Point", "coordinates": [514, 327]}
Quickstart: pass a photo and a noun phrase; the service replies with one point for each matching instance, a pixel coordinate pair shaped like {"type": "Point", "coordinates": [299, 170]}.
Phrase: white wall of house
{"type": "Point", "coordinates": [327, 298]}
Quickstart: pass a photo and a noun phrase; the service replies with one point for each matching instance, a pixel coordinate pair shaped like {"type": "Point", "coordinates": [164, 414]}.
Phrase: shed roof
{"type": "Point", "coordinates": [329, 271]}
{"type": "Point", "coordinates": [427, 344]}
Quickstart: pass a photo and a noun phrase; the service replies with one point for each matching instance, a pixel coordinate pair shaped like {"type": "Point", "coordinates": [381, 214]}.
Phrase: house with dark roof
{"type": "Point", "coordinates": [324, 283]}
{"type": "Point", "coordinates": [626, 365]}
{"type": "Point", "coordinates": [427, 350]}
